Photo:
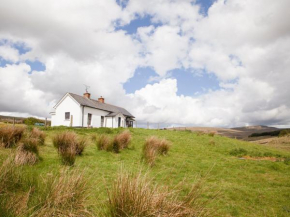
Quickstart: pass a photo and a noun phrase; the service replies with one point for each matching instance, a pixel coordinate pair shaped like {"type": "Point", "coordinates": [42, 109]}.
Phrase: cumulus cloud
{"type": "Point", "coordinates": [245, 44]}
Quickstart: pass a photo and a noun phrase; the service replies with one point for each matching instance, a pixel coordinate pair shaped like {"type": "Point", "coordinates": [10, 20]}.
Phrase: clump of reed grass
{"type": "Point", "coordinates": [9, 136]}
{"type": "Point", "coordinates": [94, 137]}
{"type": "Point", "coordinates": [119, 142]}
{"type": "Point", "coordinates": [103, 142]}
{"type": "Point", "coordinates": [154, 146]}
{"type": "Point", "coordinates": [27, 152]}
{"type": "Point", "coordinates": [64, 195]}
{"type": "Point", "coordinates": [15, 189]}
{"type": "Point", "coordinates": [212, 134]}
{"type": "Point", "coordinates": [123, 139]}
{"type": "Point", "coordinates": [69, 146]}
{"type": "Point", "coordinates": [10, 176]}
{"type": "Point", "coordinates": [80, 145]}
{"type": "Point", "coordinates": [200, 133]}
{"type": "Point", "coordinates": [38, 134]}
{"type": "Point", "coordinates": [136, 195]}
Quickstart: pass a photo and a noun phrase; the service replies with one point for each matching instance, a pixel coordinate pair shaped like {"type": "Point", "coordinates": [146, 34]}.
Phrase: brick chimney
{"type": "Point", "coordinates": [101, 99]}
{"type": "Point", "coordinates": [87, 95]}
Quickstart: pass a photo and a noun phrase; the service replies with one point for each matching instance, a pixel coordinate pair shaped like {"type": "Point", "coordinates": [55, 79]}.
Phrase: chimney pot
{"type": "Point", "coordinates": [101, 99]}
{"type": "Point", "coordinates": [87, 95]}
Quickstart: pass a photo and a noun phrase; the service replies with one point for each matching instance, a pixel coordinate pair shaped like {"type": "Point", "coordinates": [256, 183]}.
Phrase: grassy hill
{"type": "Point", "coordinates": [256, 185]}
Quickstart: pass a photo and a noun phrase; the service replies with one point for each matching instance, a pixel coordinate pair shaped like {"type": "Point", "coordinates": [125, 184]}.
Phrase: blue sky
{"type": "Point", "coordinates": [189, 83]}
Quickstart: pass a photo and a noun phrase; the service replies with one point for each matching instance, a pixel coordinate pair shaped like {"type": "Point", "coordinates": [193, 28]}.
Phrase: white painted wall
{"type": "Point", "coordinates": [96, 116]}
{"type": "Point", "coordinates": [68, 104]}
{"type": "Point", "coordinates": [114, 122]}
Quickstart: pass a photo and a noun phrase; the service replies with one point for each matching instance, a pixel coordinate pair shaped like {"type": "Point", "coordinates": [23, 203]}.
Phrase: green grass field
{"type": "Point", "coordinates": [245, 187]}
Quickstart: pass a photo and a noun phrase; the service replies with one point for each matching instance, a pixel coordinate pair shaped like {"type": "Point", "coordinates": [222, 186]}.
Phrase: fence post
{"type": "Point", "coordinates": [13, 122]}
{"type": "Point", "coordinates": [45, 122]}
{"type": "Point", "coordinates": [71, 120]}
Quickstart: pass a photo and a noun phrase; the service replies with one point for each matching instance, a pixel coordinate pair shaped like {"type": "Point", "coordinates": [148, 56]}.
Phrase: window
{"type": "Point", "coordinates": [89, 119]}
{"type": "Point", "coordinates": [102, 121]}
{"type": "Point", "coordinates": [67, 115]}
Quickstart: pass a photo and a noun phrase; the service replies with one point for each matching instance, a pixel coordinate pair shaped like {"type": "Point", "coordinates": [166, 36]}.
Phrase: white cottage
{"type": "Point", "coordinates": [82, 111]}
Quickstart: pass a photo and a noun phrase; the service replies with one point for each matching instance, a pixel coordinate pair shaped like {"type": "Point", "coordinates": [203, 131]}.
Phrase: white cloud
{"type": "Point", "coordinates": [245, 44]}
{"type": "Point", "coordinates": [8, 53]}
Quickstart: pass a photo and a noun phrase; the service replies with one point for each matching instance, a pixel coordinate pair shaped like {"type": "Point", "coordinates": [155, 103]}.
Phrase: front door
{"type": "Point", "coordinates": [119, 121]}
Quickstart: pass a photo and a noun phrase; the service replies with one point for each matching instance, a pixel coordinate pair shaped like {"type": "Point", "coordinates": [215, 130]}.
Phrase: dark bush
{"type": "Point", "coordinates": [271, 133]}
{"type": "Point", "coordinates": [239, 152]}
{"type": "Point", "coordinates": [32, 121]}
{"type": "Point", "coordinates": [284, 132]}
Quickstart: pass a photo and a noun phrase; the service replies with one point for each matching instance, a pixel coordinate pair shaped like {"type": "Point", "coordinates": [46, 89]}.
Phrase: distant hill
{"type": "Point", "coordinates": [242, 133]}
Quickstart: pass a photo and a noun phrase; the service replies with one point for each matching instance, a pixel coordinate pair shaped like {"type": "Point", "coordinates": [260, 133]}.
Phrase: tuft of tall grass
{"type": "Point", "coordinates": [9, 136]}
{"type": "Point", "coordinates": [136, 195]}
{"type": "Point", "coordinates": [94, 137]}
{"type": "Point", "coordinates": [38, 134]}
{"type": "Point", "coordinates": [103, 142]}
{"type": "Point", "coordinates": [120, 141]}
{"type": "Point", "coordinates": [80, 145]}
{"type": "Point", "coordinates": [64, 195]}
{"type": "Point", "coordinates": [23, 193]}
{"type": "Point", "coordinates": [27, 152]}
{"type": "Point", "coordinates": [123, 139]}
{"type": "Point", "coordinates": [154, 146]}
{"type": "Point", "coordinates": [10, 176]}
{"type": "Point", "coordinates": [212, 134]}
{"type": "Point", "coordinates": [15, 188]}
{"type": "Point", "coordinates": [68, 146]}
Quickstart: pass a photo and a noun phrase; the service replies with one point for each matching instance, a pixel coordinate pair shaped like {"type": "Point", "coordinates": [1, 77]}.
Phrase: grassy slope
{"type": "Point", "coordinates": [247, 187]}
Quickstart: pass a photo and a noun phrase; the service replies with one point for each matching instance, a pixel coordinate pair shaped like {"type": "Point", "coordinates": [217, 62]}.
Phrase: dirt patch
{"type": "Point", "coordinates": [273, 159]}
{"type": "Point", "coordinates": [282, 143]}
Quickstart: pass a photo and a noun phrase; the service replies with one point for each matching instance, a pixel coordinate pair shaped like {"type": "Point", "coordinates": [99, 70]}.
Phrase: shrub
{"type": "Point", "coordinates": [284, 132]}
{"type": "Point", "coordinates": [38, 134]}
{"type": "Point", "coordinates": [136, 195]}
{"type": "Point", "coordinates": [27, 152]}
{"type": "Point", "coordinates": [103, 142]}
{"type": "Point", "coordinates": [238, 152]}
{"type": "Point", "coordinates": [152, 147]}
{"type": "Point", "coordinates": [123, 139]}
{"type": "Point", "coordinates": [32, 121]}
{"type": "Point", "coordinates": [9, 136]}
{"type": "Point", "coordinates": [64, 195]}
{"type": "Point", "coordinates": [66, 144]}
{"type": "Point", "coordinates": [271, 133]}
